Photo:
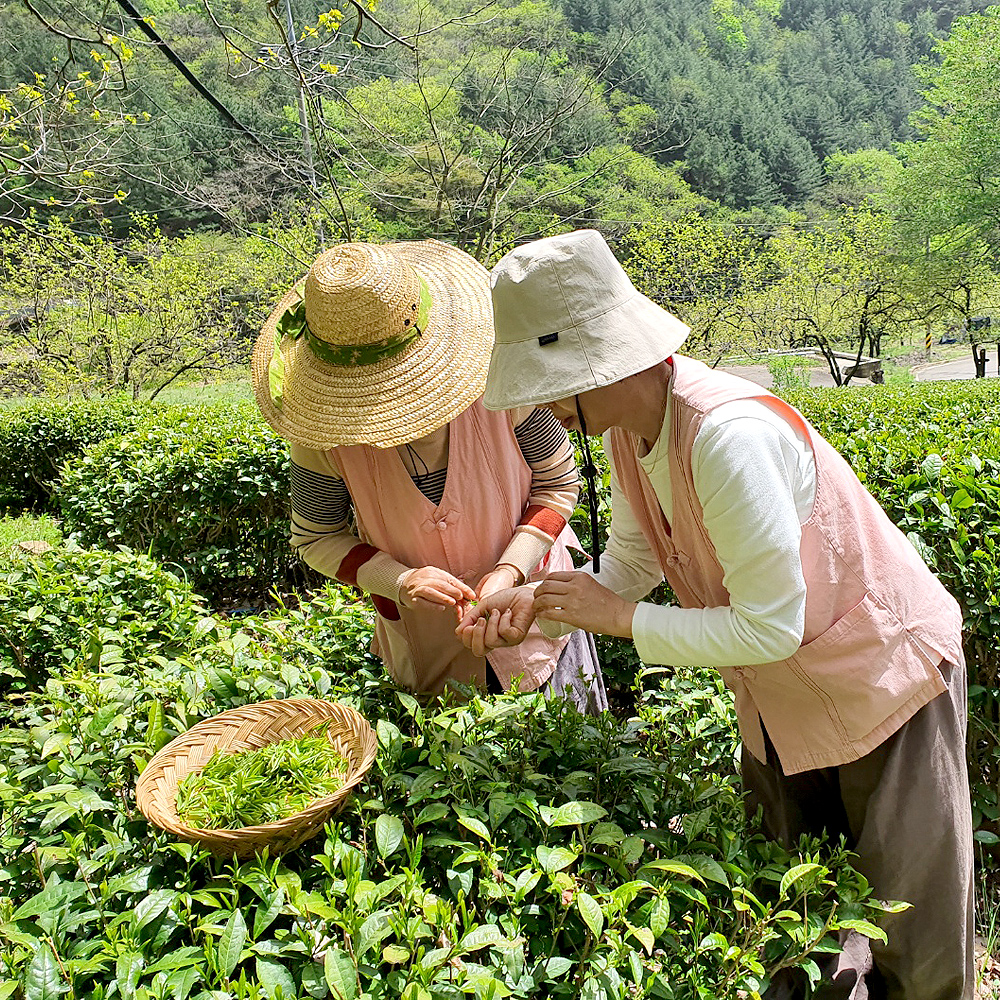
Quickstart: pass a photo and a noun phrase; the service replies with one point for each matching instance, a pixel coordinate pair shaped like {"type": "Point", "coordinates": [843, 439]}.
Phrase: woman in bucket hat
{"type": "Point", "coordinates": [372, 367]}
{"type": "Point", "coordinates": [842, 649]}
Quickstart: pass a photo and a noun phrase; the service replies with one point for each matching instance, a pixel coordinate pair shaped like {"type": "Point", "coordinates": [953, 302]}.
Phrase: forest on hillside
{"type": "Point", "coordinates": [739, 103]}
{"type": "Point", "coordinates": [812, 172]}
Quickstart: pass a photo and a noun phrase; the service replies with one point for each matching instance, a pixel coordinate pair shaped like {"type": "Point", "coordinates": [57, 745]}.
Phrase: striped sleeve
{"type": "Point", "coordinates": [321, 530]}
{"type": "Point", "coordinates": [555, 487]}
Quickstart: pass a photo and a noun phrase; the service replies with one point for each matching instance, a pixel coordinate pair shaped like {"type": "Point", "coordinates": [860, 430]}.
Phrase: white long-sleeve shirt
{"type": "Point", "coordinates": [755, 477]}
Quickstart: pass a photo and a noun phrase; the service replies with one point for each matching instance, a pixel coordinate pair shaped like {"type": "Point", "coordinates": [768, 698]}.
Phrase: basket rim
{"type": "Point", "coordinates": [144, 786]}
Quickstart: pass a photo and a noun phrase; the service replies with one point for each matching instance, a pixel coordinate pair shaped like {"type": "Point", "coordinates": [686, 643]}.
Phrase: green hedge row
{"type": "Point", "coordinates": [203, 489]}
{"type": "Point", "coordinates": [504, 847]}
{"type": "Point", "coordinates": [36, 439]}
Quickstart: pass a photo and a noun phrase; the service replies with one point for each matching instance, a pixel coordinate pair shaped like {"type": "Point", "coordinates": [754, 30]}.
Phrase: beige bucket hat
{"type": "Point", "coordinates": [378, 344]}
{"type": "Point", "coordinates": [567, 320]}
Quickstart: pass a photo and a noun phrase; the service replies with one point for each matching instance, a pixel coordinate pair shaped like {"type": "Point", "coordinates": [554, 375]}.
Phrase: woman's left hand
{"type": "Point", "coordinates": [576, 598]}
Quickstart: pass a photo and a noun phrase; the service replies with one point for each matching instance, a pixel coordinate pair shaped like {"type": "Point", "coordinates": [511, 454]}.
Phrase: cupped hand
{"type": "Point", "coordinates": [429, 587]}
{"type": "Point", "coordinates": [577, 599]}
{"type": "Point", "coordinates": [501, 620]}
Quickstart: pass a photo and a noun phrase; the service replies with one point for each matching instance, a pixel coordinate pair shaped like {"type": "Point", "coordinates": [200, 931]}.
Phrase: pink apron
{"type": "Point", "coordinates": [485, 495]}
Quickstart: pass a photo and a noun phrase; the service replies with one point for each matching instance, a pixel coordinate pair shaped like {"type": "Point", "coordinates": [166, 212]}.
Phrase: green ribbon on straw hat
{"type": "Point", "coordinates": [292, 323]}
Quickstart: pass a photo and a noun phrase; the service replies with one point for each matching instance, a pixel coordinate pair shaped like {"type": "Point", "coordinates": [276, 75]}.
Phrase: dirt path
{"type": "Point", "coordinates": [935, 371]}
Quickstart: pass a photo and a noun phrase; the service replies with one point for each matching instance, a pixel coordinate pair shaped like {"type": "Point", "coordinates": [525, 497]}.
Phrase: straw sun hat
{"type": "Point", "coordinates": [378, 345]}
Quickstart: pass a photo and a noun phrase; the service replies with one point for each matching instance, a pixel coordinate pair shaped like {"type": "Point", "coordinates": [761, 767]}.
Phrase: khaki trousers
{"type": "Point", "coordinates": [904, 809]}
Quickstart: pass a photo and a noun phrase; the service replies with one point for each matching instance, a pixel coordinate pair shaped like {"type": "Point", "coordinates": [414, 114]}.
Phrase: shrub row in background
{"type": "Point", "coordinates": [36, 439]}
{"type": "Point", "coordinates": [502, 847]}
{"type": "Point", "coordinates": [931, 456]}
{"type": "Point", "coordinates": [202, 489]}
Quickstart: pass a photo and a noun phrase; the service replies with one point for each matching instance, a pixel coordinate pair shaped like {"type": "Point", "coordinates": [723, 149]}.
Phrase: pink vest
{"type": "Point", "coordinates": [873, 608]}
{"type": "Point", "coordinates": [485, 495]}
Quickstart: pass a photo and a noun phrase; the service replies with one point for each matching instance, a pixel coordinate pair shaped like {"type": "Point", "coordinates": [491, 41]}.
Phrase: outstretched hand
{"type": "Point", "coordinates": [500, 620]}
{"type": "Point", "coordinates": [431, 587]}
{"type": "Point", "coordinates": [577, 599]}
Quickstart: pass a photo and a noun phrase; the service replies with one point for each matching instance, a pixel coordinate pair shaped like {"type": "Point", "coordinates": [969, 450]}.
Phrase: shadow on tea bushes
{"type": "Point", "coordinates": [501, 847]}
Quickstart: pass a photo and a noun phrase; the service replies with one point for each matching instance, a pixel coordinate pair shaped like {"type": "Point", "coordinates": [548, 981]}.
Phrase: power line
{"type": "Point", "coordinates": [151, 33]}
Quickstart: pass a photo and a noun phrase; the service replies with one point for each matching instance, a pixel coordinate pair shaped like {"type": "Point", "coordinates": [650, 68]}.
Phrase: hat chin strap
{"type": "Point", "coordinates": [590, 472]}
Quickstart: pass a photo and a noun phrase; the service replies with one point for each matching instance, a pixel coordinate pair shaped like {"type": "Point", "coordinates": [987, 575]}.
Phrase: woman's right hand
{"type": "Point", "coordinates": [430, 587]}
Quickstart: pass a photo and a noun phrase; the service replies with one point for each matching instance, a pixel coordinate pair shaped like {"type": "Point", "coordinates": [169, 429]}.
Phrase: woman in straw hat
{"type": "Point", "coordinates": [372, 367]}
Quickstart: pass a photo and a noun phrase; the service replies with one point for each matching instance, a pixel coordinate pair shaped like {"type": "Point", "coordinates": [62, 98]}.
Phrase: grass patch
{"type": "Point", "coordinates": [197, 394]}
{"type": "Point", "coordinates": [28, 528]}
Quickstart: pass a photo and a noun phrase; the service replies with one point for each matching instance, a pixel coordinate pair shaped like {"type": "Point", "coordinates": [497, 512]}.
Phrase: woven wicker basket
{"type": "Point", "coordinates": [250, 728]}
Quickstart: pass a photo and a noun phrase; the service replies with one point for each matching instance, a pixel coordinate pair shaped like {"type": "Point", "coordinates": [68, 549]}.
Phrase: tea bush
{"type": "Point", "coordinates": [203, 489]}
{"type": "Point", "coordinates": [930, 454]}
{"type": "Point", "coordinates": [92, 609]}
{"type": "Point", "coordinates": [36, 439]}
{"type": "Point", "coordinates": [501, 847]}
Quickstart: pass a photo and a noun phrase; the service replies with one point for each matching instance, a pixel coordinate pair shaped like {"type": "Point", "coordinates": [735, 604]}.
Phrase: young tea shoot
{"type": "Point", "coordinates": [260, 786]}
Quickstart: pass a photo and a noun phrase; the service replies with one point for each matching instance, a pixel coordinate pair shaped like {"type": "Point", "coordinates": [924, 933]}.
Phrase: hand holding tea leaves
{"type": "Point", "coordinates": [502, 619]}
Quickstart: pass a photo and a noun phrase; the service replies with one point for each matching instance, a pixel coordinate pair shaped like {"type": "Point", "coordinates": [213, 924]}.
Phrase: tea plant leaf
{"type": "Point", "coordinates": [797, 873]}
{"type": "Point", "coordinates": [476, 826]}
{"type": "Point", "coordinates": [388, 834]}
{"type": "Point", "coordinates": [42, 981]}
{"type": "Point", "coordinates": [58, 815]}
{"type": "Point", "coordinates": [52, 897]}
{"type": "Point", "coordinates": [415, 992]}
{"type": "Point", "coordinates": [395, 954]}
{"type": "Point", "coordinates": [230, 945]}
{"type": "Point", "coordinates": [181, 983]}
{"type": "Point", "coordinates": [554, 859]}
{"type": "Point", "coordinates": [371, 933]}
{"type": "Point", "coordinates": [481, 937]}
{"type": "Point", "coordinates": [272, 974]}
{"type": "Point", "coordinates": [623, 894]}
{"type": "Point", "coordinates": [644, 936]}
{"type": "Point", "coordinates": [573, 813]}
{"type": "Point", "coordinates": [659, 916]}
{"type": "Point", "coordinates": [341, 974]}
{"type": "Point", "coordinates": [154, 726]}
{"type": "Point", "coordinates": [606, 833]}
{"type": "Point", "coordinates": [591, 912]}
{"type": "Point", "coordinates": [865, 927]}
{"type": "Point", "coordinates": [314, 981]}
{"type": "Point", "coordinates": [708, 868]}
{"type": "Point", "coordinates": [713, 942]}
{"type": "Point", "coordinates": [127, 970]}
{"type": "Point", "coordinates": [931, 467]}
{"type": "Point", "coordinates": [677, 867]}
{"type": "Point", "coordinates": [266, 914]}
{"type": "Point", "coordinates": [152, 906]}
{"type": "Point", "coordinates": [552, 968]}
{"type": "Point", "coordinates": [431, 813]}
{"type": "Point", "coordinates": [181, 959]}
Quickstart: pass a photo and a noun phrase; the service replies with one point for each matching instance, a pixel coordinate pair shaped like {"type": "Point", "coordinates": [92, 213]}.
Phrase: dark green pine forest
{"type": "Point", "coordinates": [412, 113]}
